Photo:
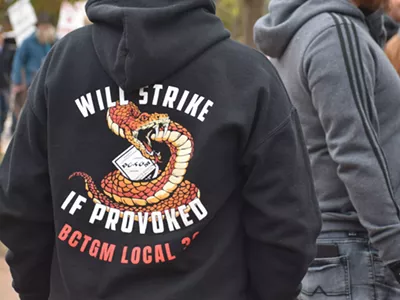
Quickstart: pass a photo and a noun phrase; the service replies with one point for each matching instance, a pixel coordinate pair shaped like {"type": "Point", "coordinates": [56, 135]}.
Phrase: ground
{"type": "Point", "coordinates": [6, 291]}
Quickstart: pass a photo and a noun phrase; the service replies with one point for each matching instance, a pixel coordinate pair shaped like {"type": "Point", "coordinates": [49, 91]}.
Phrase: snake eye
{"type": "Point", "coordinates": [144, 118]}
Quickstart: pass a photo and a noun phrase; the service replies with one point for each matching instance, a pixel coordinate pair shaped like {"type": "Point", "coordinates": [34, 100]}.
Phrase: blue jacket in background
{"type": "Point", "coordinates": [29, 58]}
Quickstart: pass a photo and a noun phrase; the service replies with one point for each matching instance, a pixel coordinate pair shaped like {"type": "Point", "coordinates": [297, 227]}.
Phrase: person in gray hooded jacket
{"type": "Point", "coordinates": [328, 53]}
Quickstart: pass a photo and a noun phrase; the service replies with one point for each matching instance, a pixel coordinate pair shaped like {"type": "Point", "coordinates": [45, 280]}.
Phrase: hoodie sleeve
{"type": "Point", "coordinates": [340, 73]}
{"type": "Point", "coordinates": [281, 216]}
{"type": "Point", "coordinates": [26, 216]}
{"type": "Point", "coordinates": [19, 63]}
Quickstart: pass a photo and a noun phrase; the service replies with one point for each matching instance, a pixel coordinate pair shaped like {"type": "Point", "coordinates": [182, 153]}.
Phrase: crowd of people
{"type": "Point", "coordinates": [18, 66]}
{"type": "Point", "coordinates": [158, 158]}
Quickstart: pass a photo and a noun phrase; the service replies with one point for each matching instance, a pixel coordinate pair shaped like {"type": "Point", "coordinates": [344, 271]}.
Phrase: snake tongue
{"type": "Point", "coordinates": [148, 148]}
{"type": "Point", "coordinates": [148, 144]}
{"type": "Point", "coordinates": [144, 137]}
{"type": "Point", "coordinates": [157, 158]}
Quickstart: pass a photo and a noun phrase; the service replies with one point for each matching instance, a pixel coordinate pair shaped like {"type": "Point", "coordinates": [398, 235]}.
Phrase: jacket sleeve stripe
{"type": "Point", "coordinates": [360, 94]}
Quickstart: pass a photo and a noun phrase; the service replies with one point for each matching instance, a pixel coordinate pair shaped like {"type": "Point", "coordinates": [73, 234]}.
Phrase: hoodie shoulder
{"type": "Point", "coordinates": [77, 38]}
{"type": "Point", "coordinates": [252, 54]}
{"type": "Point", "coordinates": [73, 61]}
{"type": "Point", "coordinates": [250, 65]}
{"type": "Point", "coordinates": [245, 70]}
{"type": "Point", "coordinates": [75, 46]}
{"type": "Point", "coordinates": [322, 22]}
{"type": "Point", "coordinates": [250, 72]}
{"type": "Point", "coordinates": [75, 50]}
{"type": "Point", "coordinates": [315, 27]}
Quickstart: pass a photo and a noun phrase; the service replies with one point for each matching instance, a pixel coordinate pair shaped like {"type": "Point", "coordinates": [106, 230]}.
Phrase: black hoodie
{"type": "Point", "coordinates": [157, 159]}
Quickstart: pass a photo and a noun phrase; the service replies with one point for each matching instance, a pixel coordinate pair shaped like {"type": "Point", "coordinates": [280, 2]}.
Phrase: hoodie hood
{"type": "Point", "coordinates": [274, 31]}
{"type": "Point", "coordinates": [141, 42]}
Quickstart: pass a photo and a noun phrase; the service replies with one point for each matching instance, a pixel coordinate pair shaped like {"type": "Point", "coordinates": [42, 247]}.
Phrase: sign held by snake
{"type": "Point", "coordinates": [169, 190]}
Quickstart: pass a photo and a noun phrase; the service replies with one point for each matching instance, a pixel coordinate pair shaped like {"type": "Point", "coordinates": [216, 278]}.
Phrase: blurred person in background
{"type": "Point", "coordinates": [391, 26]}
{"type": "Point", "coordinates": [329, 55]}
{"type": "Point", "coordinates": [392, 48]}
{"type": "Point", "coordinates": [393, 9]}
{"type": "Point", "coordinates": [392, 18]}
{"type": "Point", "coordinates": [29, 58]}
{"type": "Point", "coordinates": [7, 51]}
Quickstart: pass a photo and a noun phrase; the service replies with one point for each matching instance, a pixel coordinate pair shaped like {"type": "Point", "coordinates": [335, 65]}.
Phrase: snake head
{"type": "Point", "coordinates": [152, 125]}
{"type": "Point", "coordinates": [136, 127]}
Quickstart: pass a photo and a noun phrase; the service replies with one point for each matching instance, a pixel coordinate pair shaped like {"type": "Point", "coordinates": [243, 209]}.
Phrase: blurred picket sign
{"type": "Point", "coordinates": [23, 20]}
{"type": "Point", "coordinates": [72, 16]}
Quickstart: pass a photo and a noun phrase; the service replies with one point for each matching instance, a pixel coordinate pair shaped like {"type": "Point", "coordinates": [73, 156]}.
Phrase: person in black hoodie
{"type": "Point", "coordinates": [157, 159]}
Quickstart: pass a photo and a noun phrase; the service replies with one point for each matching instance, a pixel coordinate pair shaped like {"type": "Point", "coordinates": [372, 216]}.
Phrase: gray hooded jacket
{"type": "Point", "coordinates": [348, 97]}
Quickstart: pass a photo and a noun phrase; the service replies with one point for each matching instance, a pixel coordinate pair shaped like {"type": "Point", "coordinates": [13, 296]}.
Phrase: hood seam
{"type": "Point", "coordinates": [125, 37]}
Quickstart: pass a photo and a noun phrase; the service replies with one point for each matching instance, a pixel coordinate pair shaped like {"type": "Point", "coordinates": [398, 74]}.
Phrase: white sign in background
{"type": "Point", "coordinates": [23, 20]}
{"type": "Point", "coordinates": [72, 17]}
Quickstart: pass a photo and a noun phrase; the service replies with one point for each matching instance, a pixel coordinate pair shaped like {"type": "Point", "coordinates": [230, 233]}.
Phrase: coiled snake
{"type": "Point", "coordinates": [169, 190]}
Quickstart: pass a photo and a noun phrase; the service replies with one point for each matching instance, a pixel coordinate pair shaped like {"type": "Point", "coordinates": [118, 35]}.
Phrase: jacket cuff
{"type": "Point", "coordinates": [395, 268]}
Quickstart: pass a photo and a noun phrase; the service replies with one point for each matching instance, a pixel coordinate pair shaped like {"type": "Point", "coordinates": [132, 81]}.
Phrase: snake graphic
{"type": "Point", "coordinates": [169, 190]}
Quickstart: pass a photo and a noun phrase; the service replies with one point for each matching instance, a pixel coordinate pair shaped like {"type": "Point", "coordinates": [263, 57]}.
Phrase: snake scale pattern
{"type": "Point", "coordinates": [169, 190]}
